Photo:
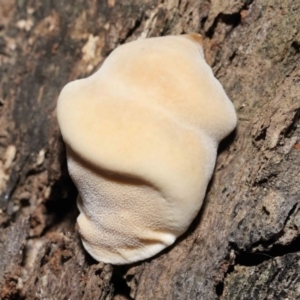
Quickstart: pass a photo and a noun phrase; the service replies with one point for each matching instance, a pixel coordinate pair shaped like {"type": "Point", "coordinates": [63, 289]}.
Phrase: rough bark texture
{"type": "Point", "coordinates": [244, 243]}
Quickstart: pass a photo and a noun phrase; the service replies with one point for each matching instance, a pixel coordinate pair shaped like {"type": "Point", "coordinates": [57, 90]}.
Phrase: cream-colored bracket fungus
{"type": "Point", "coordinates": [142, 136]}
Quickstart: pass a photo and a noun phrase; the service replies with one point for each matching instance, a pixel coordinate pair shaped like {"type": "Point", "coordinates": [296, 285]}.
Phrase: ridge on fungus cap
{"type": "Point", "coordinates": [142, 135]}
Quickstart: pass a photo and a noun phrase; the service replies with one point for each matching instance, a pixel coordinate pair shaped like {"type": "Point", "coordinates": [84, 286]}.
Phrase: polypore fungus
{"type": "Point", "coordinates": [142, 136]}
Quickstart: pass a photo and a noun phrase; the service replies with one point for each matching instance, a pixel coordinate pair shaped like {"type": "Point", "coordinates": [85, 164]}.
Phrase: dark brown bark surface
{"type": "Point", "coordinates": [245, 242]}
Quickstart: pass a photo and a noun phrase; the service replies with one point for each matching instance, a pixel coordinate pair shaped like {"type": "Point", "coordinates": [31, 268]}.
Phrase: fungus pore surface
{"type": "Point", "coordinates": [141, 135]}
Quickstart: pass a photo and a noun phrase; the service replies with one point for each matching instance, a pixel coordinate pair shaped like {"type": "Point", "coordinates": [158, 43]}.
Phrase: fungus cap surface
{"type": "Point", "coordinates": [142, 135]}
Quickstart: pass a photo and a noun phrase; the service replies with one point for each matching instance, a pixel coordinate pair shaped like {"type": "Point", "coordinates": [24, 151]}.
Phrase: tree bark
{"type": "Point", "coordinates": [245, 242]}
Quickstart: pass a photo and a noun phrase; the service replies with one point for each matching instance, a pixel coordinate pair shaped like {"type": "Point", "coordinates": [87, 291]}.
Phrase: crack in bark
{"type": "Point", "coordinates": [233, 19]}
{"type": "Point", "coordinates": [132, 30]}
{"type": "Point", "coordinates": [248, 259]}
{"type": "Point", "coordinates": [251, 259]}
{"type": "Point", "coordinates": [119, 282]}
